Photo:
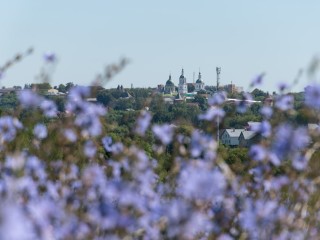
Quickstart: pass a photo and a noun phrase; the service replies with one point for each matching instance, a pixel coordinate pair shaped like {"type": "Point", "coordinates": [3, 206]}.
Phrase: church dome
{"type": "Point", "coordinates": [169, 82]}
{"type": "Point", "coordinates": [182, 74]}
{"type": "Point", "coordinates": [199, 79]}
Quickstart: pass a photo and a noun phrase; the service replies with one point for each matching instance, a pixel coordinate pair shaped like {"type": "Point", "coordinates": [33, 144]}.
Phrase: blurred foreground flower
{"type": "Point", "coordinates": [312, 96]}
{"type": "Point", "coordinates": [40, 131]}
{"type": "Point", "coordinates": [163, 132]}
{"type": "Point", "coordinates": [49, 57]}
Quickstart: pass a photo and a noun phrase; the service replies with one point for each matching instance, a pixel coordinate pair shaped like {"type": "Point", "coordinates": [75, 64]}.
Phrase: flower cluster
{"type": "Point", "coordinates": [92, 187]}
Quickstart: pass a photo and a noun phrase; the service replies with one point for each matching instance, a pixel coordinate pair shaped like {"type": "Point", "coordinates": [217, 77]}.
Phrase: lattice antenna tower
{"type": "Point", "coordinates": [218, 70]}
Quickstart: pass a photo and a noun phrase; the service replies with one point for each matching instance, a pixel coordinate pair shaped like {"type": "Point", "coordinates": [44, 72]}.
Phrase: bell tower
{"type": "Point", "coordinates": [183, 87]}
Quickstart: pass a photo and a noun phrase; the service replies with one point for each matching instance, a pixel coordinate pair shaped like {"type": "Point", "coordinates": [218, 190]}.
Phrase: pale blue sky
{"type": "Point", "coordinates": [244, 37]}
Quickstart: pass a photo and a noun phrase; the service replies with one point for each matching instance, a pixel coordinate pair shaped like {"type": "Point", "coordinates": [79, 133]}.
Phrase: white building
{"type": "Point", "coordinates": [169, 87]}
{"type": "Point", "coordinates": [199, 84]}
{"type": "Point", "coordinates": [53, 91]}
{"type": "Point", "coordinates": [183, 87]}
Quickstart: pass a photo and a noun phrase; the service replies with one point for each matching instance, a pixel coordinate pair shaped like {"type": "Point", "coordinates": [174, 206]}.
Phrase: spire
{"type": "Point", "coordinates": [182, 72]}
{"type": "Point", "coordinates": [199, 75]}
{"type": "Point", "coordinates": [170, 76]}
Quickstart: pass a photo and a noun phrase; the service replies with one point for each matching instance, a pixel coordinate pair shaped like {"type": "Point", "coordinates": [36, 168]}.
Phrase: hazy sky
{"type": "Point", "coordinates": [244, 37]}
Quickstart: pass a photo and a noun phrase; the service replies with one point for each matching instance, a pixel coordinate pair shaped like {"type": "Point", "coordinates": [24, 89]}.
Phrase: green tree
{"type": "Point", "coordinates": [105, 98]}
{"type": "Point", "coordinates": [9, 100]}
{"type": "Point", "coordinates": [202, 101]}
{"type": "Point", "coordinates": [69, 85]}
{"type": "Point", "coordinates": [123, 104]}
{"type": "Point", "coordinates": [62, 88]}
{"type": "Point", "coordinates": [41, 86]}
{"type": "Point", "coordinates": [259, 95]}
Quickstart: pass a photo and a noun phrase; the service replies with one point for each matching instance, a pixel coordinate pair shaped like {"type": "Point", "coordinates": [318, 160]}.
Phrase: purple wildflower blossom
{"type": "Point", "coordinates": [163, 132]}
{"type": "Point", "coordinates": [217, 98]}
{"type": "Point", "coordinates": [201, 183]}
{"type": "Point", "coordinates": [198, 223]}
{"type": "Point", "coordinates": [78, 94]}
{"type": "Point", "coordinates": [202, 144]}
{"type": "Point", "coordinates": [70, 135]}
{"type": "Point", "coordinates": [15, 162]}
{"type": "Point", "coordinates": [28, 98]}
{"type": "Point", "coordinates": [312, 96]}
{"type": "Point", "coordinates": [274, 158]}
{"type": "Point", "coordinates": [275, 183]}
{"type": "Point", "coordinates": [49, 57]}
{"type": "Point", "coordinates": [244, 103]}
{"type": "Point", "coordinates": [225, 237]}
{"type": "Point", "coordinates": [264, 128]}
{"type": "Point", "coordinates": [212, 113]}
{"type": "Point", "coordinates": [109, 146]}
{"type": "Point", "coordinates": [257, 80]}
{"type": "Point", "coordinates": [259, 215]}
{"type": "Point", "coordinates": [49, 108]}
{"type": "Point", "coordinates": [143, 123]}
{"type": "Point", "coordinates": [107, 143]}
{"type": "Point", "coordinates": [289, 140]}
{"type": "Point", "coordinates": [285, 102]}
{"type": "Point", "coordinates": [87, 114]}
{"type": "Point", "coordinates": [299, 162]}
{"type": "Point", "coordinates": [89, 120]}
{"type": "Point", "coordinates": [40, 131]}
{"type": "Point", "coordinates": [14, 215]}
{"type": "Point", "coordinates": [89, 149]}
{"type": "Point", "coordinates": [8, 128]}
{"type": "Point", "coordinates": [266, 112]}
{"type": "Point", "coordinates": [283, 86]}
{"type": "Point", "coordinates": [257, 152]}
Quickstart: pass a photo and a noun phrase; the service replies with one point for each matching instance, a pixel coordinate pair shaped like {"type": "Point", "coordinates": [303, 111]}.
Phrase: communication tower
{"type": "Point", "coordinates": [218, 70]}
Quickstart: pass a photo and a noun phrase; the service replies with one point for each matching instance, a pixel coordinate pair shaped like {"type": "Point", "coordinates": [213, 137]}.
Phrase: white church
{"type": "Point", "coordinates": [183, 85]}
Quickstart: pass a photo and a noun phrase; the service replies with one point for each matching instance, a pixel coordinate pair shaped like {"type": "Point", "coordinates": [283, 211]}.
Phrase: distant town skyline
{"type": "Point", "coordinates": [243, 38]}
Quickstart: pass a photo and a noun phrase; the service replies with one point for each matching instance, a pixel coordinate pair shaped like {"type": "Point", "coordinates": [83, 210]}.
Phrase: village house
{"type": "Point", "coordinates": [230, 137]}
{"type": "Point", "coordinates": [247, 138]}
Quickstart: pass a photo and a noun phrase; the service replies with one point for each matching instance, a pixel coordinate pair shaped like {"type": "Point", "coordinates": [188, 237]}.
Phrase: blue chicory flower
{"type": "Point", "coordinates": [40, 131]}
{"type": "Point", "coordinates": [257, 80]}
{"type": "Point", "coordinates": [244, 103]}
{"type": "Point", "coordinates": [163, 132]}
{"type": "Point", "coordinates": [28, 98]}
{"type": "Point", "coordinates": [70, 135]}
{"type": "Point", "coordinates": [217, 99]}
{"type": "Point", "coordinates": [266, 112]}
{"type": "Point", "coordinates": [89, 149]}
{"type": "Point", "coordinates": [143, 123]}
{"type": "Point", "coordinates": [285, 102]}
{"type": "Point", "coordinates": [213, 113]}
{"type": "Point", "coordinates": [312, 96]}
{"type": "Point", "coordinates": [257, 153]}
{"type": "Point", "coordinates": [9, 127]}
{"type": "Point", "coordinates": [49, 108]}
{"type": "Point", "coordinates": [49, 57]}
